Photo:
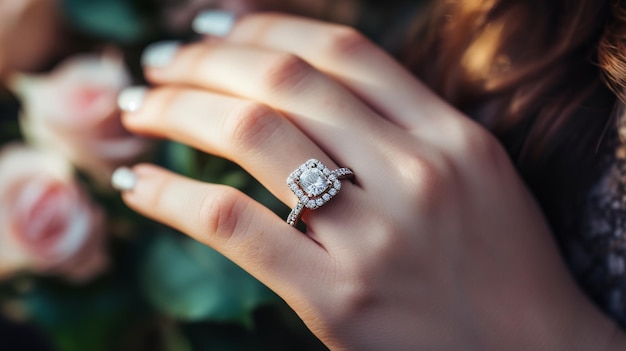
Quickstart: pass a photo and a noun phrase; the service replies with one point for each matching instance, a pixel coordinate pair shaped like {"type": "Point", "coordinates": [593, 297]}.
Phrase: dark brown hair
{"type": "Point", "coordinates": [542, 75]}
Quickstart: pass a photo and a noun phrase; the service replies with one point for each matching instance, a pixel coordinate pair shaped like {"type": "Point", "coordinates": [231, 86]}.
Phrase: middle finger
{"type": "Point", "coordinates": [319, 106]}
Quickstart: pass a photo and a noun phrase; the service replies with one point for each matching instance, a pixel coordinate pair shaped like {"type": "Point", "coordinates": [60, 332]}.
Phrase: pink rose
{"type": "Point", "coordinates": [48, 224]}
{"type": "Point", "coordinates": [74, 111]}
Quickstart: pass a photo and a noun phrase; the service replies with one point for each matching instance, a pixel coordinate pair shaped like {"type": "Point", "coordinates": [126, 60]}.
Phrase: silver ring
{"type": "Point", "coordinates": [314, 185]}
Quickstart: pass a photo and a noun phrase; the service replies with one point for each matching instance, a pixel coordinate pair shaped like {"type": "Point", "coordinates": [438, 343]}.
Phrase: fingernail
{"type": "Point", "coordinates": [215, 23]}
{"type": "Point", "coordinates": [124, 179]}
{"type": "Point", "coordinates": [160, 54]}
{"type": "Point", "coordinates": [131, 98]}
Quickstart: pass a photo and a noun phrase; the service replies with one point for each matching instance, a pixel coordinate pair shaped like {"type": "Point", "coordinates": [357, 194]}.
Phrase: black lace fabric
{"type": "Point", "coordinates": [597, 255]}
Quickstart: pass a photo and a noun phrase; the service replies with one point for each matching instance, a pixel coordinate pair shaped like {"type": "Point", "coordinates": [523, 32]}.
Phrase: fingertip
{"type": "Point", "coordinates": [131, 99]}
{"type": "Point", "coordinates": [160, 54]}
{"type": "Point", "coordinates": [134, 183]}
{"type": "Point", "coordinates": [131, 102]}
{"type": "Point", "coordinates": [214, 23]}
{"type": "Point", "coordinates": [123, 179]}
{"type": "Point", "coordinates": [149, 170]}
{"type": "Point", "coordinates": [137, 110]}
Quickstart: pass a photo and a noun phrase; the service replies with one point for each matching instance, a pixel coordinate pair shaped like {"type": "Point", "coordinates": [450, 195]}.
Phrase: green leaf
{"type": "Point", "coordinates": [211, 336]}
{"type": "Point", "coordinates": [92, 317]}
{"type": "Point", "coordinates": [117, 20]}
{"type": "Point", "coordinates": [191, 282]}
{"type": "Point", "coordinates": [237, 179]}
{"type": "Point", "coordinates": [180, 158]}
{"type": "Point", "coordinates": [174, 338]}
{"type": "Point", "coordinates": [9, 131]}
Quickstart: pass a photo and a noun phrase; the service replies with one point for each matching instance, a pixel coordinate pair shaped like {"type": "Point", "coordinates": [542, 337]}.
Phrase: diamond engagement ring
{"type": "Point", "coordinates": [314, 185]}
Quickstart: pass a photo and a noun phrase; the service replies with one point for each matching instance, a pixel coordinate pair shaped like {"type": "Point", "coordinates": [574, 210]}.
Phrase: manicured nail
{"type": "Point", "coordinates": [131, 98]}
{"type": "Point", "coordinates": [215, 23]}
{"type": "Point", "coordinates": [160, 54]}
{"type": "Point", "coordinates": [124, 179]}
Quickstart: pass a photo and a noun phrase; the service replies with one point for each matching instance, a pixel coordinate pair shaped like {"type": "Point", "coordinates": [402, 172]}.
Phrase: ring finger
{"type": "Point", "coordinates": [251, 134]}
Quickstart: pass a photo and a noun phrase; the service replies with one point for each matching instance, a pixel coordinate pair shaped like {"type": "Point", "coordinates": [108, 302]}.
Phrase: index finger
{"type": "Point", "coordinates": [341, 52]}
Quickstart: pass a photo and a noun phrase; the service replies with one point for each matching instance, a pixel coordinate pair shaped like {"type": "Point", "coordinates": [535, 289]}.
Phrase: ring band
{"type": "Point", "coordinates": [314, 185]}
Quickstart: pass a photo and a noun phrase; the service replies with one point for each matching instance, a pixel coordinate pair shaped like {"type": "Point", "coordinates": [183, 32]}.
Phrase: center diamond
{"type": "Point", "coordinates": [313, 182]}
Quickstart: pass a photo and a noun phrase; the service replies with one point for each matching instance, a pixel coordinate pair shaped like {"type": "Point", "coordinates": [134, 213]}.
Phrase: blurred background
{"type": "Point", "coordinates": [78, 270]}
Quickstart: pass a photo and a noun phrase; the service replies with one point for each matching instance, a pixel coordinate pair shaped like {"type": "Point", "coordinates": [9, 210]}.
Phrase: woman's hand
{"type": "Point", "coordinates": [437, 245]}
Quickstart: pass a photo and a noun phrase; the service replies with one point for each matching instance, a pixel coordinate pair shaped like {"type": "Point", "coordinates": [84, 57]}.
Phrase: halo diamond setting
{"type": "Point", "coordinates": [315, 185]}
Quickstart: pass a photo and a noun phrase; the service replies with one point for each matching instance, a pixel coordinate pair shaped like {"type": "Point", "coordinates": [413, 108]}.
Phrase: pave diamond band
{"type": "Point", "coordinates": [314, 185]}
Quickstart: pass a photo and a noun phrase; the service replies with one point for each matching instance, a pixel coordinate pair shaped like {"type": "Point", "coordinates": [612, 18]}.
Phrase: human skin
{"type": "Point", "coordinates": [437, 245]}
{"type": "Point", "coordinates": [29, 34]}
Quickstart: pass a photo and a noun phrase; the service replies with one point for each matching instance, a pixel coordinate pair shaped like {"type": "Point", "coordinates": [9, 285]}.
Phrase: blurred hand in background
{"type": "Point", "coordinates": [29, 34]}
{"type": "Point", "coordinates": [73, 111]}
{"type": "Point", "coordinates": [176, 15]}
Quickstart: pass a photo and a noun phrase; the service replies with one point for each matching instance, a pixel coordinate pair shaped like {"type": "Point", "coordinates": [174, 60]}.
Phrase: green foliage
{"type": "Point", "coordinates": [94, 317]}
{"type": "Point", "coordinates": [180, 158]}
{"type": "Point", "coordinates": [207, 337]}
{"type": "Point", "coordinates": [117, 20]}
{"type": "Point", "coordinates": [190, 281]}
{"type": "Point", "coordinates": [9, 132]}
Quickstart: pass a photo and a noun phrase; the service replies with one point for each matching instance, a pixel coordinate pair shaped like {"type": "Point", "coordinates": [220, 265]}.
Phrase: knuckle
{"type": "Point", "coordinates": [482, 148]}
{"type": "Point", "coordinates": [251, 126]}
{"type": "Point", "coordinates": [286, 72]}
{"type": "Point", "coordinates": [343, 40]}
{"type": "Point", "coordinates": [226, 223]}
{"type": "Point", "coordinates": [425, 175]}
{"type": "Point", "coordinates": [218, 215]}
{"type": "Point", "coordinates": [354, 296]}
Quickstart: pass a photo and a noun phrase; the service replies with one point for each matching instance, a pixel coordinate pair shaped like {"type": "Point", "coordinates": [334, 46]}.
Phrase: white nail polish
{"type": "Point", "coordinates": [131, 98]}
{"type": "Point", "coordinates": [160, 54]}
{"type": "Point", "coordinates": [215, 23]}
{"type": "Point", "coordinates": [124, 179]}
